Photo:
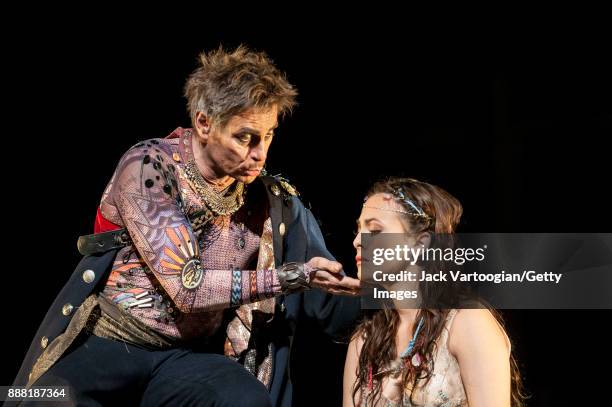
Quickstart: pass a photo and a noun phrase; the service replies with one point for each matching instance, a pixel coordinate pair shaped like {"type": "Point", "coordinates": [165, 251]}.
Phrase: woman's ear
{"type": "Point", "coordinates": [202, 126]}
{"type": "Point", "coordinates": [424, 239]}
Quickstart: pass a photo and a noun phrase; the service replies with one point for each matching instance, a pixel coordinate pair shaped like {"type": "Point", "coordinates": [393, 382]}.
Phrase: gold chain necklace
{"type": "Point", "coordinates": [217, 202]}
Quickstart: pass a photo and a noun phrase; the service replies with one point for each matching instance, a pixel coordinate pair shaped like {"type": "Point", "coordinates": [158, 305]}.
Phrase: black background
{"type": "Point", "coordinates": [512, 119]}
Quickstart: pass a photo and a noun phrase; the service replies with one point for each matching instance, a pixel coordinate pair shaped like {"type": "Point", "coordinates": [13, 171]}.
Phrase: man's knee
{"type": "Point", "coordinates": [252, 394]}
{"type": "Point", "coordinates": [249, 393]}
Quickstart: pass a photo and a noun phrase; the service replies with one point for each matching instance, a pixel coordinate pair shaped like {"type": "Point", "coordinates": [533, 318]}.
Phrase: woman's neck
{"type": "Point", "coordinates": [407, 316]}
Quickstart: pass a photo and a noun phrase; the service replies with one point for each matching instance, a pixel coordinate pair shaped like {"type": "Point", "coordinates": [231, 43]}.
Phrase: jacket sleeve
{"type": "Point", "coordinates": [335, 314]}
{"type": "Point", "coordinates": [146, 195]}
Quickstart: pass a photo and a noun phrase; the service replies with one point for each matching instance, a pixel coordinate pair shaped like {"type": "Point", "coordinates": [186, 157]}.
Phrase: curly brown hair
{"type": "Point", "coordinates": [227, 83]}
{"type": "Point", "coordinates": [378, 328]}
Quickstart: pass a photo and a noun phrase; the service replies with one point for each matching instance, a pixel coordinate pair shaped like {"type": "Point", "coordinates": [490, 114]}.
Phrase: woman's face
{"type": "Point", "coordinates": [378, 215]}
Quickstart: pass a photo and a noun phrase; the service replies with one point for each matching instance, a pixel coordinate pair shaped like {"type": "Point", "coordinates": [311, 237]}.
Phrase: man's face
{"type": "Point", "coordinates": [239, 149]}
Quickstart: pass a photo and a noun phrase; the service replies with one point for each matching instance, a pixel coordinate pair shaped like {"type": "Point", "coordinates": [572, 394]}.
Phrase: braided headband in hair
{"type": "Point", "coordinates": [401, 196]}
{"type": "Point", "coordinates": [399, 193]}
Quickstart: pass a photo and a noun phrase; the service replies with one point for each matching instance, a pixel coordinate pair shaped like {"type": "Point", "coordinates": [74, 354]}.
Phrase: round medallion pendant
{"type": "Point", "coordinates": [192, 274]}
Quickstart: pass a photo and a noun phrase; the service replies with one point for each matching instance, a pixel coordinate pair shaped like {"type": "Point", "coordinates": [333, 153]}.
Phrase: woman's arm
{"type": "Point", "coordinates": [350, 373]}
{"type": "Point", "coordinates": [483, 351]}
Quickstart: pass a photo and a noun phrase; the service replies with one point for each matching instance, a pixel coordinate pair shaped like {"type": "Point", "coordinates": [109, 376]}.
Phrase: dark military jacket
{"type": "Point", "coordinates": [296, 238]}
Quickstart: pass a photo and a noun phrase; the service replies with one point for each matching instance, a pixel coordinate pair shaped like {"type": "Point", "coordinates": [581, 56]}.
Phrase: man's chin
{"type": "Point", "coordinates": [246, 179]}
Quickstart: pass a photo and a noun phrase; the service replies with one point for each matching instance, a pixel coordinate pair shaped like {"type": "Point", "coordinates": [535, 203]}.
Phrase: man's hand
{"type": "Point", "coordinates": [327, 277]}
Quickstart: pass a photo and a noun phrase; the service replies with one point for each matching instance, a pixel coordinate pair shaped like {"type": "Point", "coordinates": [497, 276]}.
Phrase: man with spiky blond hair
{"type": "Point", "coordinates": [201, 266]}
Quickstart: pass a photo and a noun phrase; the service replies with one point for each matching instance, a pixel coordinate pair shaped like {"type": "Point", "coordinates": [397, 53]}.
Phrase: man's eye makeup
{"type": "Point", "coordinates": [244, 138]}
{"type": "Point", "coordinates": [249, 137]}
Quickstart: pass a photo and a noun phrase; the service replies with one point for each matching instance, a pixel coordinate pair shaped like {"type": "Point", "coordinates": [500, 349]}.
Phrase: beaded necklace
{"type": "Point", "coordinates": [399, 363]}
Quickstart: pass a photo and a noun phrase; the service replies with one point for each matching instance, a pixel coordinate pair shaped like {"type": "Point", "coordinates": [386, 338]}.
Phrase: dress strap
{"type": "Point", "coordinates": [447, 326]}
{"type": "Point", "coordinates": [451, 316]}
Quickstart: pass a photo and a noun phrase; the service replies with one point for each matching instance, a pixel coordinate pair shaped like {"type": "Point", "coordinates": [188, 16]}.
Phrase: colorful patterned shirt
{"type": "Point", "coordinates": [176, 280]}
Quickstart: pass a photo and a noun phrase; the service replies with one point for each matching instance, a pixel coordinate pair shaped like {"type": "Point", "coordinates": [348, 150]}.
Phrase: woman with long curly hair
{"type": "Point", "coordinates": [426, 356]}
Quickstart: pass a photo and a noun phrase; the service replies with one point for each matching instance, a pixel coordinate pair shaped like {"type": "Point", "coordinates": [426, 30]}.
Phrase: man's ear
{"type": "Point", "coordinates": [202, 126]}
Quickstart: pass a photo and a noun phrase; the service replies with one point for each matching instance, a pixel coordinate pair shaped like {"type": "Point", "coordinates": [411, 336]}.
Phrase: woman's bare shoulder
{"type": "Point", "coordinates": [474, 328]}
